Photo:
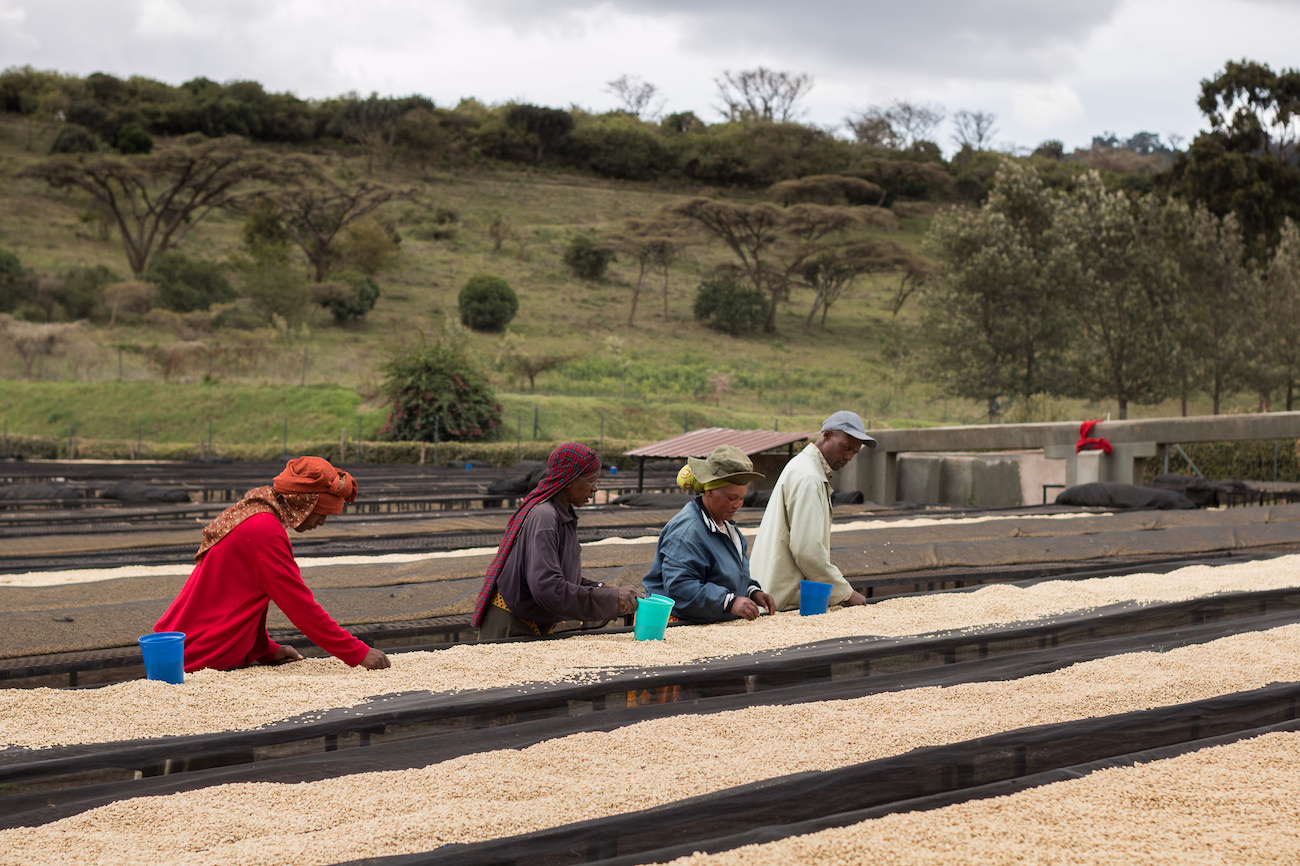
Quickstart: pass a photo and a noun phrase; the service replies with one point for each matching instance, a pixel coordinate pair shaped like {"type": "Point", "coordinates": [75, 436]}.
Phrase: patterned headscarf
{"type": "Point", "coordinates": [568, 462]}
{"type": "Point", "coordinates": [307, 485]}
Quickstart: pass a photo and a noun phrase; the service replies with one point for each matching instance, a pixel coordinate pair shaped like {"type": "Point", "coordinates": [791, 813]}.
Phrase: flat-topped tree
{"type": "Point", "coordinates": [156, 199]}
{"type": "Point", "coordinates": [316, 208]}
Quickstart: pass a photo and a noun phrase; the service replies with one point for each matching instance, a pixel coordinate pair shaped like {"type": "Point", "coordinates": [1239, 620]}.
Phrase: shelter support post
{"type": "Point", "coordinates": [1124, 465]}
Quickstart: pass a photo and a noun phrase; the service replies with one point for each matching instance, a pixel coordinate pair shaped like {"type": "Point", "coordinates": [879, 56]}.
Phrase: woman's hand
{"type": "Point", "coordinates": [286, 653]}
{"type": "Point", "coordinates": [375, 660]}
{"type": "Point", "coordinates": [627, 598]}
{"type": "Point", "coordinates": [743, 607]}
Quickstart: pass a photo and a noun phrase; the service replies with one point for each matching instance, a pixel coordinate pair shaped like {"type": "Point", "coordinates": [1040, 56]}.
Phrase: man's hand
{"type": "Point", "coordinates": [745, 608]}
{"type": "Point", "coordinates": [286, 653]}
{"type": "Point", "coordinates": [854, 598]}
{"type": "Point", "coordinates": [627, 598]}
{"type": "Point", "coordinates": [375, 660]}
{"type": "Point", "coordinates": [765, 600]}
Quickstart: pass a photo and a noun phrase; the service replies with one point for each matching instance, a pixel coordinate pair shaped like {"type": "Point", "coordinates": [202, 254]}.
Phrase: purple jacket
{"type": "Point", "coordinates": [542, 581]}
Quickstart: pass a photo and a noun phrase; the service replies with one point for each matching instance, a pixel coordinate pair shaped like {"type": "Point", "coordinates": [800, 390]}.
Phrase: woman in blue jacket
{"type": "Point", "coordinates": [700, 561]}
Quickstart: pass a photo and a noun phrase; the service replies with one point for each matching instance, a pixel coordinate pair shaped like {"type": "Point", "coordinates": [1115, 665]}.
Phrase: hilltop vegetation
{"type": "Point", "coordinates": [351, 226]}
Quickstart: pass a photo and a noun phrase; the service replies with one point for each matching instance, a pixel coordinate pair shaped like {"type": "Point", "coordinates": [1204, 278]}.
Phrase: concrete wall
{"type": "Point", "coordinates": [1000, 480]}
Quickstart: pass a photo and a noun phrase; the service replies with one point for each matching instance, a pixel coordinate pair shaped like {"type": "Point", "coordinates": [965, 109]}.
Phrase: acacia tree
{"type": "Point", "coordinates": [316, 209]}
{"type": "Point", "coordinates": [749, 231]}
{"type": "Point", "coordinates": [831, 272]}
{"type": "Point", "coordinates": [762, 94]}
{"type": "Point", "coordinates": [653, 244]}
{"type": "Point", "coordinates": [157, 198]}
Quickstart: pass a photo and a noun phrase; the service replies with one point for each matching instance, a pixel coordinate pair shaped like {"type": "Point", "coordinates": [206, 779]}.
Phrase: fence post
{"type": "Point", "coordinates": [519, 423]}
{"type": "Point", "coordinates": [534, 422]}
{"type": "Point", "coordinates": [304, 366]}
{"type": "Point", "coordinates": [71, 444]}
{"type": "Point", "coordinates": [358, 438]}
{"type": "Point", "coordinates": [139, 439]}
{"type": "Point", "coordinates": [602, 439]}
{"type": "Point", "coordinates": [686, 422]}
{"type": "Point", "coordinates": [284, 448]}
{"type": "Point", "coordinates": [343, 444]}
{"type": "Point", "coordinates": [435, 440]}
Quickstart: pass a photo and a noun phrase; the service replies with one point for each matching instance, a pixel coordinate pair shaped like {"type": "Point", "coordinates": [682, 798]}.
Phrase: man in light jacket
{"type": "Point", "coordinates": [794, 539]}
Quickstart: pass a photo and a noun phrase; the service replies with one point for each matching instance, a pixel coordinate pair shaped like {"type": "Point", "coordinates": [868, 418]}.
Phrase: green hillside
{"type": "Point", "coordinates": [173, 380]}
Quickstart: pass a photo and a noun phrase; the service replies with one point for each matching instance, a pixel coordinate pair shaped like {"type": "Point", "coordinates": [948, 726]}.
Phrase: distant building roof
{"type": "Point", "coordinates": [700, 443]}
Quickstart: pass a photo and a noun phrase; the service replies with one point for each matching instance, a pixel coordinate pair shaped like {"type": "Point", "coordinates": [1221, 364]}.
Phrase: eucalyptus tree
{"type": "Point", "coordinates": [994, 322]}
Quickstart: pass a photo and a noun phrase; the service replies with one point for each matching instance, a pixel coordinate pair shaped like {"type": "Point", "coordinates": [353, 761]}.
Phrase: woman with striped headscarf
{"type": "Point", "coordinates": [535, 581]}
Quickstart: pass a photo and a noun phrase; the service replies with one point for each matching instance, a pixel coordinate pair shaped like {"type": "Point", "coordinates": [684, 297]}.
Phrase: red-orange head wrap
{"type": "Point", "coordinates": [304, 475]}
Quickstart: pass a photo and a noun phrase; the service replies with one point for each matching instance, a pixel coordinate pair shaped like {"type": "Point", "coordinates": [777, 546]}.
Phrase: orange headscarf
{"type": "Point", "coordinates": [307, 485]}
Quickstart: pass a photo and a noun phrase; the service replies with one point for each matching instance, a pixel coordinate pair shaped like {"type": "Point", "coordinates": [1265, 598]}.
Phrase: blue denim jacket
{"type": "Point", "coordinates": [699, 567]}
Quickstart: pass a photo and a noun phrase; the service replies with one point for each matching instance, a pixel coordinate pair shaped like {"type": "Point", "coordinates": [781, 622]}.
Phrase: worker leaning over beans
{"type": "Point", "coordinates": [245, 562]}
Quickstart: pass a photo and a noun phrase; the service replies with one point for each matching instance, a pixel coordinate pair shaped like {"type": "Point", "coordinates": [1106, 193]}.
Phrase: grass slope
{"type": "Point", "coordinates": [643, 381]}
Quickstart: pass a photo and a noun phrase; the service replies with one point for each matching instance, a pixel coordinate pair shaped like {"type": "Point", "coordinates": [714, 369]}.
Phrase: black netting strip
{"type": "Point", "coordinates": [807, 665]}
{"type": "Point", "coordinates": [774, 833]}
{"type": "Point", "coordinates": [816, 800]}
{"type": "Point", "coordinates": [195, 762]}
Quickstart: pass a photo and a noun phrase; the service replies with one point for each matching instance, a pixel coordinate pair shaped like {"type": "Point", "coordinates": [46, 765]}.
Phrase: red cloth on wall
{"type": "Point", "coordinates": [1091, 443]}
{"type": "Point", "coordinates": [222, 607]}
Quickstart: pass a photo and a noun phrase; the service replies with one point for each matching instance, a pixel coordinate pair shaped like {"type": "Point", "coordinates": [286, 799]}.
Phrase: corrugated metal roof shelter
{"type": "Point", "coordinates": [700, 443]}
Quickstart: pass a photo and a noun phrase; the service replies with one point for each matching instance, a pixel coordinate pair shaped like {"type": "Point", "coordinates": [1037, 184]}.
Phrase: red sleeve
{"type": "Point", "coordinates": [279, 577]}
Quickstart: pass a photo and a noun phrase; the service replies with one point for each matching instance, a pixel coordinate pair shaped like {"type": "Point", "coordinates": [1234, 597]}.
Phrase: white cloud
{"type": "Point", "coordinates": [1043, 107]}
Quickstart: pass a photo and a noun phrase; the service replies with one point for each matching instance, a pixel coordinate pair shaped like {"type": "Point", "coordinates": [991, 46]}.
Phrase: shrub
{"type": "Point", "coordinates": [80, 291]}
{"type": "Point", "coordinates": [369, 245]}
{"type": "Point", "coordinates": [74, 138]}
{"type": "Point", "coordinates": [586, 258]}
{"type": "Point", "coordinates": [487, 303]}
{"type": "Point", "coordinates": [17, 285]}
{"type": "Point", "coordinates": [728, 304]}
{"type": "Point", "coordinates": [132, 138]}
{"type": "Point", "coordinates": [349, 296]}
{"type": "Point", "coordinates": [436, 388]}
{"type": "Point", "coordinates": [186, 284]}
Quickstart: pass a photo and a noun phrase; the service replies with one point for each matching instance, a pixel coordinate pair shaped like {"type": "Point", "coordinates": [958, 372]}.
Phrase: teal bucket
{"type": "Point", "coordinates": [652, 617]}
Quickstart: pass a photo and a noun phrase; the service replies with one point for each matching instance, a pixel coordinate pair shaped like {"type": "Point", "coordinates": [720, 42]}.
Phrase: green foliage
{"type": "Point", "coordinates": [80, 292]}
{"type": "Point", "coordinates": [587, 259]}
{"type": "Point", "coordinates": [619, 145]}
{"type": "Point", "coordinates": [487, 303]}
{"type": "Point", "coordinates": [729, 304]}
{"type": "Point", "coordinates": [436, 393]}
{"type": "Point", "coordinates": [349, 296]}
{"type": "Point", "coordinates": [994, 321]}
{"type": "Point", "coordinates": [133, 138]}
{"type": "Point", "coordinates": [370, 245]}
{"type": "Point", "coordinates": [17, 284]}
{"type": "Point", "coordinates": [264, 227]}
{"type": "Point", "coordinates": [74, 138]}
{"type": "Point", "coordinates": [275, 285]}
{"type": "Point", "coordinates": [186, 284]}
{"type": "Point", "coordinates": [1235, 461]}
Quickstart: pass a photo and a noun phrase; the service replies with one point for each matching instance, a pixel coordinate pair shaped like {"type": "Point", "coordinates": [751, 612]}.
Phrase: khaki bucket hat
{"type": "Point", "coordinates": [726, 463]}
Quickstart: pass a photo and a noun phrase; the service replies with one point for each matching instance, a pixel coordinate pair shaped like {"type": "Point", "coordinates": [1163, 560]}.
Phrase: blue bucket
{"type": "Point", "coordinates": [164, 656]}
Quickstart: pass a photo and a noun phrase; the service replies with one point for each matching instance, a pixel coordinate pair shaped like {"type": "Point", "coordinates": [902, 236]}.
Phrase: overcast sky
{"type": "Point", "coordinates": [1064, 69]}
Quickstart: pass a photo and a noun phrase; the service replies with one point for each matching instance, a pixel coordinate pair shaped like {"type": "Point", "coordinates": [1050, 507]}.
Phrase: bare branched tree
{"type": "Point", "coordinates": [762, 94]}
{"type": "Point", "coordinates": [974, 129]}
{"type": "Point", "coordinates": [637, 96]}
{"type": "Point", "coordinates": [899, 125]}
